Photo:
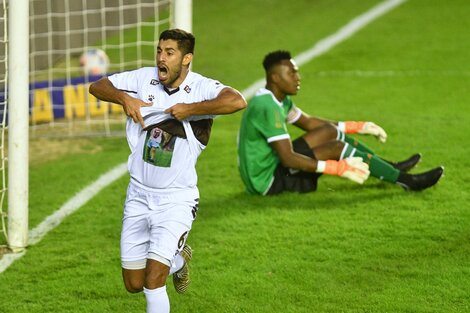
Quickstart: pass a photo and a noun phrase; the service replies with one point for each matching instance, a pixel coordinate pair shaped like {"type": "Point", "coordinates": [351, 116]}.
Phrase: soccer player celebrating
{"type": "Point", "coordinates": [270, 163]}
{"type": "Point", "coordinates": [162, 197]}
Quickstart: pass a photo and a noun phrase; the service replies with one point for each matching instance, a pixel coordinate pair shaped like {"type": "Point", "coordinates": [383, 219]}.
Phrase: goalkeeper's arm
{"type": "Point", "coordinates": [352, 168]}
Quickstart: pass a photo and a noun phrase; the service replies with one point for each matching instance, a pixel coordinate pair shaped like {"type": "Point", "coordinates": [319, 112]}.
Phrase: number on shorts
{"type": "Point", "coordinates": [182, 240]}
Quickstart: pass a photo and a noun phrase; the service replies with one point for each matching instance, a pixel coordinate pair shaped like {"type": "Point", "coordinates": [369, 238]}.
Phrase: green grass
{"type": "Point", "coordinates": [345, 248]}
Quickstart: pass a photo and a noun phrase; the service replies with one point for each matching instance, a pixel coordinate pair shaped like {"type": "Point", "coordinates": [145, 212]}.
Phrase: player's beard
{"type": "Point", "coordinates": [170, 77]}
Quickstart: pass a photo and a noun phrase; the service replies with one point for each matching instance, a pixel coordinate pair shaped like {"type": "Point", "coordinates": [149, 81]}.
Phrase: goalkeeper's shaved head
{"type": "Point", "coordinates": [275, 58]}
{"type": "Point", "coordinates": [282, 74]}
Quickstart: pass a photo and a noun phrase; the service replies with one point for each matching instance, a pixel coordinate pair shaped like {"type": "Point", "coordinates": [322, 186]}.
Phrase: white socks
{"type": "Point", "coordinates": [177, 264]}
{"type": "Point", "coordinates": [157, 300]}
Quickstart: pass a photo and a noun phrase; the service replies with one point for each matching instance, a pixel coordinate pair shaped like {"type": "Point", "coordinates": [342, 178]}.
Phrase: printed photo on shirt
{"type": "Point", "coordinates": [158, 147]}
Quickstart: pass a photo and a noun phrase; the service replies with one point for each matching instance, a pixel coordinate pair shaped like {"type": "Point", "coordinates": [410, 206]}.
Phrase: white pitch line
{"type": "Point", "coordinates": [329, 42]}
{"type": "Point", "coordinates": [68, 208]}
{"type": "Point", "coordinates": [76, 202]}
{"type": "Point", "coordinates": [89, 192]}
{"type": "Point", "coordinates": [393, 73]}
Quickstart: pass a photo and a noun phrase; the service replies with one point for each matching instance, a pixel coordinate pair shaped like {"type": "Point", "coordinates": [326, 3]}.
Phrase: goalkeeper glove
{"type": "Point", "coordinates": [351, 168]}
{"type": "Point", "coordinates": [368, 128]}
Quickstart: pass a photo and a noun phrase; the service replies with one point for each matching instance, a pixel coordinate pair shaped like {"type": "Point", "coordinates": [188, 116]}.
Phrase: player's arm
{"type": "Point", "coordinates": [308, 123]}
{"type": "Point", "coordinates": [351, 168]}
{"type": "Point", "coordinates": [291, 159]}
{"type": "Point", "coordinates": [104, 90]}
{"type": "Point", "coordinates": [227, 101]}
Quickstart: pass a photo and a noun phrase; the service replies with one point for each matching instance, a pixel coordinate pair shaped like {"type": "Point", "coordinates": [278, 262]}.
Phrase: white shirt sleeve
{"type": "Point", "coordinates": [126, 81]}
{"type": "Point", "coordinates": [209, 89]}
{"type": "Point", "coordinates": [212, 88]}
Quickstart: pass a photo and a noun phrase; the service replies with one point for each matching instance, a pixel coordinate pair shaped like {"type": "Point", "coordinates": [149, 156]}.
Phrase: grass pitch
{"type": "Point", "coordinates": [345, 248]}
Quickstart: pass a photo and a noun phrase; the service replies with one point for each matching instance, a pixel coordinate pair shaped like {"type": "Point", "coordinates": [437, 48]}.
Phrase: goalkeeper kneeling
{"type": "Point", "coordinates": [270, 163]}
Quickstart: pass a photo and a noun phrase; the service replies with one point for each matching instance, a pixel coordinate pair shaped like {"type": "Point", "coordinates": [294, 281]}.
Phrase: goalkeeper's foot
{"type": "Point", "coordinates": [407, 164]}
{"type": "Point", "coordinates": [417, 182]}
{"type": "Point", "coordinates": [181, 278]}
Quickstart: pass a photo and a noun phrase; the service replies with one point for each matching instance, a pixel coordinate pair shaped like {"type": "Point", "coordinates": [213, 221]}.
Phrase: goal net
{"type": "Point", "coordinates": [61, 31]}
{"type": "Point", "coordinates": [73, 43]}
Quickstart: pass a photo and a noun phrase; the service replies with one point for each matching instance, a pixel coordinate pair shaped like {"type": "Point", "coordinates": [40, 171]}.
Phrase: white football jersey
{"type": "Point", "coordinates": [172, 165]}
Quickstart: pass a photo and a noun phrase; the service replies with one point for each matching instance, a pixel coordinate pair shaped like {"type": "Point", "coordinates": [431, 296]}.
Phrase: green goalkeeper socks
{"type": "Point", "coordinates": [357, 144]}
{"type": "Point", "coordinates": [377, 167]}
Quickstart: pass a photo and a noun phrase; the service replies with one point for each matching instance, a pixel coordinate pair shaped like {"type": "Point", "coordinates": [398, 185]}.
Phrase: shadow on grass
{"type": "Point", "coordinates": [344, 196]}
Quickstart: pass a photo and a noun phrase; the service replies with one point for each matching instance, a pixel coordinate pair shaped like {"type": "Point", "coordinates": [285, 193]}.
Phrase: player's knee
{"type": "Point", "coordinates": [133, 275]}
{"type": "Point", "coordinates": [133, 283]}
{"type": "Point", "coordinates": [321, 135]}
{"type": "Point", "coordinates": [337, 149]}
{"type": "Point", "coordinates": [331, 130]}
{"type": "Point", "coordinates": [330, 151]}
{"type": "Point", "coordinates": [326, 132]}
{"type": "Point", "coordinates": [133, 287]}
{"type": "Point", "coordinates": [157, 271]}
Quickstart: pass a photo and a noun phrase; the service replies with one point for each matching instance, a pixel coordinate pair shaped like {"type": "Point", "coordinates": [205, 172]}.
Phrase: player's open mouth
{"type": "Point", "coordinates": [162, 73]}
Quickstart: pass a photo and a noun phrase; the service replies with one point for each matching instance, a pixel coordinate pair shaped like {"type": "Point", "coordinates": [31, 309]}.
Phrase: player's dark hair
{"type": "Point", "coordinates": [185, 40]}
{"type": "Point", "coordinates": [274, 58]}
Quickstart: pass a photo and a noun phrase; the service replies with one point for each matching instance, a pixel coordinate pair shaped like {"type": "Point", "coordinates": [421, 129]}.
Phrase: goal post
{"type": "Point", "coordinates": [182, 16]}
{"type": "Point", "coordinates": [44, 88]}
{"type": "Point", "coordinates": [18, 123]}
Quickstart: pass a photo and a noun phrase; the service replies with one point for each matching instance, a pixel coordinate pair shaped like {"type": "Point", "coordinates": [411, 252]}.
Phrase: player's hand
{"type": "Point", "coordinates": [132, 109]}
{"type": "Point", "coordinates": [179, 111]}
{"type": "Point", "coordinates": [351, 168]}
{"type": "Point", "coordinates": [373, 129]}
{"type": "Point", "coordinates": [368, 128]}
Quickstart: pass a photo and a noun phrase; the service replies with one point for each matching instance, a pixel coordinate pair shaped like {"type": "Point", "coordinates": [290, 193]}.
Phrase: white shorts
{"type": "Point", "coordinates": [155, 225]}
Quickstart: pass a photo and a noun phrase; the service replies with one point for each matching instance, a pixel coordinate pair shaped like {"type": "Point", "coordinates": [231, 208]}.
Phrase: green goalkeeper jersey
{"type": "Point", "coordinates": [264, 121]}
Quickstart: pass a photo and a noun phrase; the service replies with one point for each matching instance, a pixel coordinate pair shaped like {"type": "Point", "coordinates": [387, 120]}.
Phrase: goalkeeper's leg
{"type": "Point", "coordinates": [354, 142]}
{"type": "Point", "coordinates": [320, 135]}
{"type": "Point", "coordinates": [329, 132]}
{"type": "Point", "coordinates": [385, 171]}
{"type": "Point", "coordinates": [404, 165]}
{"type": "Point", "coordinates": [338, 150]}
{"type": "Point", "coordinates": [378, 168]}
{"type": "Point", "coordinates": [323, 140]}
